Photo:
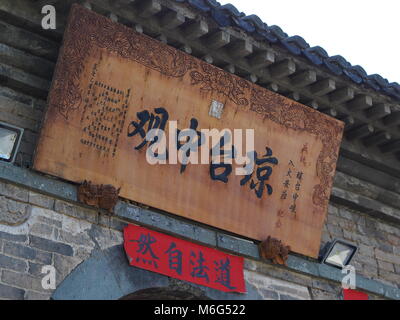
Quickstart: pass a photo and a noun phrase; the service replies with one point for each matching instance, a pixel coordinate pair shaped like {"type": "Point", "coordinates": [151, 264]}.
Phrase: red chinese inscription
{"type": "Point", "coordinates": [183, 260]}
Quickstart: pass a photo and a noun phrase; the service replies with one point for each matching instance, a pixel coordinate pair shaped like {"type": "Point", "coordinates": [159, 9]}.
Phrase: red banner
{"type": "Point", "coordinates": [183, 260]}
{"type": "Point", "coordinates": [349, 294]}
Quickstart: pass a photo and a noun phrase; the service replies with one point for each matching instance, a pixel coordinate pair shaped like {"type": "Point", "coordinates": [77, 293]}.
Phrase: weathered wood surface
{"type": "Point", "coordinates": [107, 73]}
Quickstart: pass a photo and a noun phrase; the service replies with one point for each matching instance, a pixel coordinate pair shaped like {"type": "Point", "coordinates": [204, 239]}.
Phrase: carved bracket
{"type": "Point", "coordinates": [100, 196]}
{"type": "Point", "coordinates": [274, 250]}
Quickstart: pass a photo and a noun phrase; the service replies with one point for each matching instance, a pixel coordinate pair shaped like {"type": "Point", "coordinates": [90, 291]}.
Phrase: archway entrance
{"type": "Point", "coordinates": [107, 275]}
{"type": "Point", "coordinates": [163, 294]}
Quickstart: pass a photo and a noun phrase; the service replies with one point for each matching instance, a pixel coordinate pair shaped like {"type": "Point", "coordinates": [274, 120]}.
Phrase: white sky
{"type": "Point", "coordinates": [364, 32]}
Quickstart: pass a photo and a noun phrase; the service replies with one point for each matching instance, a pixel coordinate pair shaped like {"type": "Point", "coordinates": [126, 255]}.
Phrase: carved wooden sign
{"type": "Point", "coordinates": [112, 86]}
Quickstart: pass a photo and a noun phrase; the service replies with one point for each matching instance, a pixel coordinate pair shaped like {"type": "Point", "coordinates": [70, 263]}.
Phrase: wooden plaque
{"type": "Point", "coordinates": [112, 85]}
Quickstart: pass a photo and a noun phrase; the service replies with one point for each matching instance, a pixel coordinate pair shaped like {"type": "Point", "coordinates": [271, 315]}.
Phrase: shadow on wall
{"type": "Point", "coordinates": [106, 275]}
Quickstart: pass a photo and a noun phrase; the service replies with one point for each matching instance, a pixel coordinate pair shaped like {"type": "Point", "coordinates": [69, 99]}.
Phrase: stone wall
{"type": "Point", "coordinates": [51, 231]}
{"type": "Point", "coordinates": [378, 255]}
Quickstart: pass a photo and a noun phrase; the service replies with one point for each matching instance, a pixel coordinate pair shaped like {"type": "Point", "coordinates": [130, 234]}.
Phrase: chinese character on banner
{"type": "Point", "coordinates": [183, 259]}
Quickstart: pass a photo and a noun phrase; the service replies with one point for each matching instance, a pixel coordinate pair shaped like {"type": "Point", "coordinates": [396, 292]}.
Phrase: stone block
{"type": "Point", "coordinates": [28, 253]}
{"type": "Point", "coordinates": [50, 246]}
{"type": "Point", "coordinates": [11, 263]}
{"type": "Point", "coordinates": [12, 293]}
{"type": "Point", "coordinates": [22, 280]}
{"type": "Point", "coordinates": [32, 295]}
{"type": "Point", "coordinates": [76, 211]}
{"type": "Point", "coordinates": [41, 200]}
{"type": "Point", "coordinates": [387, 266]}
{"type": "Point", "coordinates": [13, 237]}
{"type": "Point", "coordinates": [388, 257]}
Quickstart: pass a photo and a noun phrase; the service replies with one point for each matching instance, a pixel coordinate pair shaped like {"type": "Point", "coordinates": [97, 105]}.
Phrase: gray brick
{"type": "Point", "coordinates": [370, 271]}
{"type": "Point", "coordinates": [269, 294]}
{"type": "Point", "coordinates": [13, 237]}
{"type": "Point", "coordinates": [325, 286]}
{"type": "Point", "coordinates": [394, 240]}
{"type": "Point", "coordinates": [367, 260]}
{"type": "Point", "coordinates": [76, 211]}
{"type": "Point", "coordinates": [390, 277]}
{"type": "Point", "coordinates": [318, 294]}
{"type": "Point", "coordinates": [388, 228]}
{"type": "Point", "coordinates": [12, 263]}
{"type": "Point", "coordinates": [384, 256]}
{"type": "Point", "coordinates": [41, 200]}
{"type": "Point", "coordinates": [81, 239]}
{"type": "Point", "coordinates": [12, 212]}
{"type": "Point", "coordinates": [117, 224]}
{"type": "Point", "coordinates": [333, 210]}
{"type": "Point", "coordinates": [16, 207]}
{"type": "Point", "coordinates": [104, 220]}
{"type": "Point", "coordinates": [346, 214]}
{"type": "Point", "coordinates": [385, 247]}
{"type": "Point", "coordinates": [16, 96]}
{"type": "Point", "coordinates": [50, 222]}
{"type": "Point", "coordinates": [64, 265]}
{"type": "Point", "coordinates": [8, 292]}
{"type": "Point", "coordinates": [28, 253]}
{"type": "Point", "coordinates": [349, 235]}
{"type": "Point", "coordinates": [366, 250]}
{"type": "Point", "coordinates": [335, 230]}
{"type": "Point", "coordinates": [287, 297]}
{"type": "Point", "coordinates": [32, 295]}
{"type": "Point", "coordinates": [14, 192]}
{"type": "Point", "coordinates": [42, 230]}
{"type": "Point", "coordinates": [387, 266]}
{"type": "Point", "coordinates": [22, 280]}
{"type": "Point", "coordinates": [35, 269]}
{"type": "Point", "coordinates": [51, 246]}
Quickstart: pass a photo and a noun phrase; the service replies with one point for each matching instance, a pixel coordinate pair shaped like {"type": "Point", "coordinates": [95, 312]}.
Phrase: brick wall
{"type": "Point", "coordinates": [63, 234]}
{"type": "Point", "coordinates": [378, 255]}
{"type": "Point", "coordinates": [48, 237]}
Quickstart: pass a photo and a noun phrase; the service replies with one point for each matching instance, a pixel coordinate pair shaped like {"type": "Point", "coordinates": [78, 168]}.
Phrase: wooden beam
{"type": "Point", "coordinates": [391, 147]}
{"type": "Point", "coordinates": [172, 20]}
{"type": "Point", "coordinates": [360, 132]}
{"type": "Point", "coordinates": [377, 139]}
{"type": "Point", "coordinates": [196, 30]}
{"type": "Point", "coordinates": [323, 87]}
{"type": "Point", "coordinates": [240, 49]}
{"type": "Point", "coordinates": [262, 59]}
{"type": "Point", "coordinates": [392, 119]}
{"type": "Point", "coordinates": [378, 111]}
{"type": "Point", "coordinates": [218, 40]}
{"type": "Point", "coordinates": [282, 68]}
{"type": "Point", "coordinates": [304, 78]}
{"type": "Point", "coordinates": [360, 102]}
{"type": "Point", "coordinates": [341, 95]}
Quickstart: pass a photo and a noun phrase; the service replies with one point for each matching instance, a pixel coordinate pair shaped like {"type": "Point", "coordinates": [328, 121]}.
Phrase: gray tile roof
{"type": "Point", "coordinates": [229, 16]}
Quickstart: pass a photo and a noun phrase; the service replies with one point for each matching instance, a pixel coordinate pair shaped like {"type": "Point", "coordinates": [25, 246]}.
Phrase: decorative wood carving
{"type": "Point", "coordinates": [274, 250]}
{"type": "Point", "coordinates": [100, 196]}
